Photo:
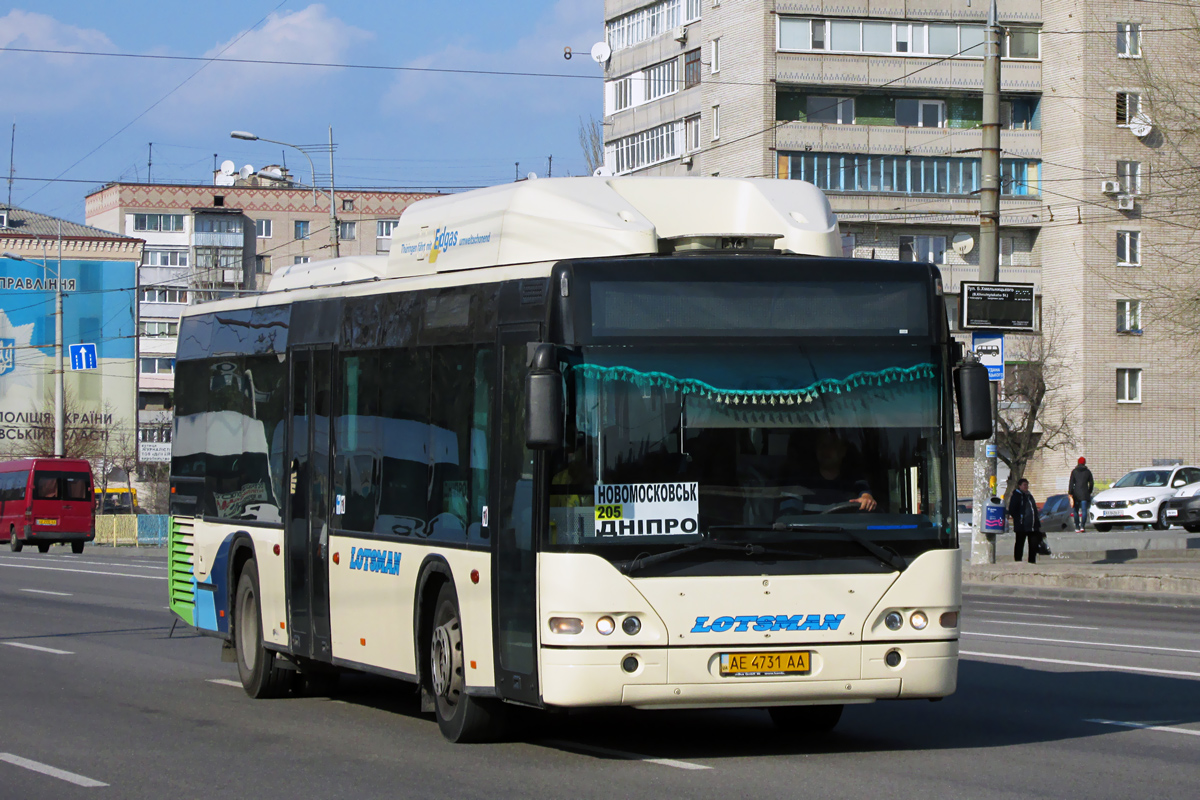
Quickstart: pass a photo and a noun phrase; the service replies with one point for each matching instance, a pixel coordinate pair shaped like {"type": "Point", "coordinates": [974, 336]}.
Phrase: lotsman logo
{"type": "Point", "coordinates": [780, 622]}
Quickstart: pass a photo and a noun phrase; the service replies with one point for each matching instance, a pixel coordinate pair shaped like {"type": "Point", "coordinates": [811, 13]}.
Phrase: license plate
{"type": "Point", "coordinates": [45, 521]}
{"type": "Point", "coordinates": [1117, 513]}
{"type": "Point", "coordinates": [1172, 512]}
{"type": "Point", "coordinates": [760, 664]}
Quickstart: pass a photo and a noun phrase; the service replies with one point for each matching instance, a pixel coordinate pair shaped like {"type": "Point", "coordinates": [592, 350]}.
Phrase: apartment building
{"type": "Point", "coordinates": [879, 103]}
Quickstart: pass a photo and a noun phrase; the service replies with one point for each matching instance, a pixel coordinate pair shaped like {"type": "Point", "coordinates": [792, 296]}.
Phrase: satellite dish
{"type": "Point", "coordinates": [1141, 125]}
{"type": "Point", "coordinates": [531, 176]}
{"type": "Point", "coordinates": [273, 172]}
{"type": "Point", "coordinates": [602, 172]}
{"type": "Point", "coordinates": [227, 167]}
{"type": "Point", "coordinates": [246, 171]}
{"type": "Point", "coordinates": [963, 243]}
{"type": "Point", "coordinates": [601, 52]}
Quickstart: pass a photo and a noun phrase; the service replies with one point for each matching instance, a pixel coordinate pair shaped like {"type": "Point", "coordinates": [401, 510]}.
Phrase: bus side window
{"type": "Point", "coordinates": [453, 372]}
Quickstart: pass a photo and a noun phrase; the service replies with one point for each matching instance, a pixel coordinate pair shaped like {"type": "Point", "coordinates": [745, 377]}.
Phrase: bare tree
{"type": "Point", "coordinates": [591, 140]}
{"type": "Point", "coordinates": [1036, 413]}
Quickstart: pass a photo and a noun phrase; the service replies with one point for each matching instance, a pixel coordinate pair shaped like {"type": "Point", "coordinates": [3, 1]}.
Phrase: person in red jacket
{"type": "Point", "coordinates": [1080, 489]}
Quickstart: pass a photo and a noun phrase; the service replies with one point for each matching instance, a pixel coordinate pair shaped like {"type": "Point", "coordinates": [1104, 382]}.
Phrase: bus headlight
{"type": "Point", "coordinates": [566, 625]}
{"type": "Point", "coordinates": [894, 620]}
{"type": "Point", "coordinates": [918, 620]}
{"type": "Point", "coordinates": [605, 625]}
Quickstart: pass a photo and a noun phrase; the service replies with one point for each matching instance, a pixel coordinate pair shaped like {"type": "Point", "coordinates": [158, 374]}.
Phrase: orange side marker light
{"type": "Point", "coordinates": [363, 642]}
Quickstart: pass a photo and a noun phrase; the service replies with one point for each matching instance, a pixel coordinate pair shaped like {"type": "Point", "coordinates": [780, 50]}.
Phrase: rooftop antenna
{"type": "Point", "coordinates": [550, 168]}
{"type": "Point", "coordinates": [516, 170]}
{"type": "Point", "coordinates": [11, 149]}
{"type": "Point", "coordinates": [150, 164]}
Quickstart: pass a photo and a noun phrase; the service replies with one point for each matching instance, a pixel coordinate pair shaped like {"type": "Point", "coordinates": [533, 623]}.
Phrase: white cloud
{"type": "Point", "coordinates": [35, 82]}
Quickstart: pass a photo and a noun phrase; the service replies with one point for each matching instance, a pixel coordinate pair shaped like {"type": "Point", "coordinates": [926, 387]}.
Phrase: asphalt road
{"type": "Point", "coordinates": [1056, 699]}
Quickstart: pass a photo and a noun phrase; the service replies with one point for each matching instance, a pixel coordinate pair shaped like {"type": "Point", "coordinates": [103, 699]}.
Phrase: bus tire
{"type": "Point", "coordinates": [76, 547]}
{"type": "Point", "coordinates": [806, 720]}
{"type": "Point", "coordinates": [43, 547]}
{"type": "Point", "coordinates": [462, 718]}
{"type": "Point", "coordinates": [14, 543]}
{"type": "Point", "coordinates": [261, 677]}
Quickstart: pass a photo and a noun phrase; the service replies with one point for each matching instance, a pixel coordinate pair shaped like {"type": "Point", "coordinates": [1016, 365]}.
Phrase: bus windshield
{"type": "Point", "coordinates": [668, 444]}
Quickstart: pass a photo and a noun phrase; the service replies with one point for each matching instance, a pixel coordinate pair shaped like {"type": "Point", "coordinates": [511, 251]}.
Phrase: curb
{"type": "Point", "coordinates": [1080, 595]}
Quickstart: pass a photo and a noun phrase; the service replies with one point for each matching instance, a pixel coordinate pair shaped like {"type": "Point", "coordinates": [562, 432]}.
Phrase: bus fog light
{"type": "Point", "coordinates": [631, 625]}
{"type": "Point", "coordinates": [605, 625]}
{"type": "Point", "coordinates": [893, 658]}
{"type": "Point", "coordinates": [630, 664]}
{"type": "Point", "coordinates": [950, 619]}
{"type": "Point", "coordinates": [566, 625]}
{"type": "Point", "coordinates": [893, 620]}
{"type": "Point", "coordinates": [918, 620]}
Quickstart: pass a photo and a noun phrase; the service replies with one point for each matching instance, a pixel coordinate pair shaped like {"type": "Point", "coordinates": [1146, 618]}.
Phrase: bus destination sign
{"type": "Point", "coordinates": [1007, 306]}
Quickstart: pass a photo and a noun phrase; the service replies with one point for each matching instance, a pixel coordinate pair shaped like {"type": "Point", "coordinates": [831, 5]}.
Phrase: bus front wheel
{"type": "Point", "coordinates": [806, 720]}
{"type": "Point", "coordinates": [14, 543]}
{"type": "Point", "coordinates": [260, 676]}
{"type": "Point", "coordinates": [462, 718]}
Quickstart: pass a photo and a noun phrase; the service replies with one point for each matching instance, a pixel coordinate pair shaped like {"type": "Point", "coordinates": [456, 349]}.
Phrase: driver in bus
{"type": "Point", "coordinates": [830, 486]}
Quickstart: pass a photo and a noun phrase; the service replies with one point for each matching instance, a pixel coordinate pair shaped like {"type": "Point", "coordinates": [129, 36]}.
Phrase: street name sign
{"type": "Point", "coordinates": [999, 306]}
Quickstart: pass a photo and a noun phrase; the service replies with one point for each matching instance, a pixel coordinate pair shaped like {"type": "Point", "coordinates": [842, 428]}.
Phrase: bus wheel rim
{"type": "Point", "coordinates": [446, 661]}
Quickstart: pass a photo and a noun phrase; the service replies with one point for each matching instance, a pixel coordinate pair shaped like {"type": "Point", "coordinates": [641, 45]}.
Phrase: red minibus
{"type": "Point", "coordinates": [45, 501]}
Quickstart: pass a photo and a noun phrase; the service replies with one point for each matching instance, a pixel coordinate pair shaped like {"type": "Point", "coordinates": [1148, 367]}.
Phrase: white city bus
{"type": "Point", "coordinates": [582, 442]}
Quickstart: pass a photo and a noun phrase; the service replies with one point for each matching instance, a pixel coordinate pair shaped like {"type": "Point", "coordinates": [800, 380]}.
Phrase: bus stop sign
{"type": "Point", "coordinates": [989, 348]}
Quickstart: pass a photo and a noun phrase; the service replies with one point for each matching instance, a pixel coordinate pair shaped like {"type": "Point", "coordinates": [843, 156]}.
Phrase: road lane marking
{"type": "Point", "coordinates": [1093, 644]}
{"type": "Point", "coordinates": [1036, 624]}
{"type": "Point", "coordinates": [604, 751]}
{"type": "Point", "coordinates": [1109, 667]}
{"type": "Point", "coordinates": [85, 571]}
{"type": "Point", "coordinates": [225, 682]}
{"type": "Point", "coordinates": [53, 772]}
{"type": "Point", "coordinates": [1140, 726]}
{"type": "Point", "coordinates": [39, 649]}
{"type": "Point", "coordinates": [43, 591]}
{"type": "Point", "coordinates": [1014, 604]}
{"type": "Point", "coordinates": [1023, 614]}
{"type": "Point", "coordinates": [70, 560]}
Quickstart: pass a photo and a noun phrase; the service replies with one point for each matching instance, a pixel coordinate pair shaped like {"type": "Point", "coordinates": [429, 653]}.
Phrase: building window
{"type": "Point", "coordinates": [830, 110]}
{"type": "Point", "coordinates": [157, 366]}
{"type": "Point", "coordinates": [1129, 248]}
{"type": "Point", "coordinates": [1129, 316]}
{"type": "Point", "coordinates": [1021, 43]}
{"type": "Point", "coordinates": [158, 222]}
{"type": "Point", "coordinates": [219, 200]}
{"type": "Point", "coordinates": [842, 172]}
{"type": "Point", "coordinates": [798, 34]}
{"type": "Point", "coordinates": [716, 55]}
{"type": "Point", "coordinates": [691, 12]}
{"type": "Point", "coordinates": [622, 93]}
{"type": "Point", "coordinates": [218, 224]}
{"type": "Point", "coordinates": [930, 249]}
{"type": "Point", "coordinates": [1129, 173]}
{"type": "Point", "coordinates": [1129, 40]}
{"type": "Point", "coordinates": [164, 258]}
{"type": "Point", "coordinates": [262, 265]}
{"type": "Point", "coordinates": [913, 113]}
{"type": "Point", "coordinates": [158, 328]}
{"type": "Point", "coordinates": [383, 234]}
{"type": "Point", "coordinates": [262, 228]}
{"type": "Point", "coordinates": [164, 296]}
{"type": "Point", "coordinates": [661, 79]}
{"type": "Point", "coordinates": [716, 122]}
{"type": "Point", "coordinates": [691, 133]}
{"type": "Point", "coordinates": [347, 230]}
{"type": "Point", "coordinates": [1129, 105]}
{"type": "Point", "coordinates": [1129, 386]}
{"type": "Point", "coordinates": [301, 259]}
{"type": "Point", "coordinates": [819, 28]}
{"type": "Point", "coordinates": [646, 148]}
{"type": "Point", "coordinates": [644, 23]}
{"type": "Point", "coordinates": [301, 226]}
{"type": "Point", "coordinates": [691, 68]}
{"type": "Point", "coordinates": [347, 204]}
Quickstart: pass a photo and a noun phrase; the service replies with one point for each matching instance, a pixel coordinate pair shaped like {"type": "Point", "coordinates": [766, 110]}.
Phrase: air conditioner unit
{"type": "Point", "coordinates": [1126, 203]}
{"type": "Point", "coordinates": [680, 35]}
{"type": "Point", "coordinates": [1110, 187]}
{"type": "Point", "coordinates": [231, 276]}
{"type": "Point", "coordinates": [686, 161]}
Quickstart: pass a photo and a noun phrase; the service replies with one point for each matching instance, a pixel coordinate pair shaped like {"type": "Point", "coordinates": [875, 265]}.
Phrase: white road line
{"type": "Point", "coordinates": [604, 751]}
{"type": "Point", "coordinates": [1163, 728]}
{"type": "Point", "coordinates": [86, 571]}
{"type": "Point", "coordinates": [1109, 667]}
{"type": "Point", "coordinates": [39, 649]}
{"type": "Point", "coordinates": [43, 591]}
{"type": "Point", "coordinates": [1035, 624]}
{"type": "Point", "coordinates": [1093, 644]}
{"type": "Point", "coordinates": [225, 682]}
{"type": "Point", "coordinates": [69, 560]}
{"type": "Point", "coordinates": [53, 772]}
{"type": "Point", "coordinates": [1020, 614]}
{"type": "Point", "coordinates": [1014, 604]}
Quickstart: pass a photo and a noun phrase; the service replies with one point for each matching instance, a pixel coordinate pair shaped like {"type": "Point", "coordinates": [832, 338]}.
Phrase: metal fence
{"type": "Point", "coordinates": [132, 530]}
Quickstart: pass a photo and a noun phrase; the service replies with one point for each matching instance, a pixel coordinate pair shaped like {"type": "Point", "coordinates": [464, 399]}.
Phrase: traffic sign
{"type": "Point", "coordinates": [83, 356]}
{"type": "Point", "coordinates": [989, 347]}
{"type": "Point", "coordinates": [997, 305]}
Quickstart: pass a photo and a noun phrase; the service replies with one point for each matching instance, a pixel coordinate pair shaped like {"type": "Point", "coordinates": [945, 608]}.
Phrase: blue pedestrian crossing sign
{"type": "Point", "coordinates": [83, 356]}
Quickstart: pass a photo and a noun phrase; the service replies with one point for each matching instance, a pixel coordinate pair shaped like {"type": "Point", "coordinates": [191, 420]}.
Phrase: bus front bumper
{"type": "Point", "coordinates": [690, 677]}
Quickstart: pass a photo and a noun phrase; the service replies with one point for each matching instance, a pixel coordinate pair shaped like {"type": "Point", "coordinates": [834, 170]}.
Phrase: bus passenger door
{"type": "Point", "coordinates": [514, 555]}
{"type": "Point", "coordinates": [307, 537]}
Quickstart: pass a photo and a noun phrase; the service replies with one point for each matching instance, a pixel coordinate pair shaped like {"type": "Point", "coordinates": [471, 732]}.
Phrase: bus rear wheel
{"type": "Point", "coordinates": [462, 718]}
{"type": "Point", "coordinates": [260, 676]}
{"type": "Point", "coordinates": [14, 543]}
{"type": "Point", "coordinates": [806, 720]}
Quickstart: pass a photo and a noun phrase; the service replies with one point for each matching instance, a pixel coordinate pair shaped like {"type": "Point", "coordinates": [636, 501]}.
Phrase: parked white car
{"type": "Point", "coordinates": [1137, 499]}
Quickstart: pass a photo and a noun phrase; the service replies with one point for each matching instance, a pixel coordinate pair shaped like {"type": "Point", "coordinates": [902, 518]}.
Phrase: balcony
{"type": "Point", "coordinates": [897, 140]}
{"type": "Point", "coordinates": [931, 209]}
{"type": "Point", "coordinates": [902, 72]}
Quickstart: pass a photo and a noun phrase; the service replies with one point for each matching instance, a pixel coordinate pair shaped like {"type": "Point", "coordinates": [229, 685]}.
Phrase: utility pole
{"type": "Point", "coordinates": [983, 546]}
{"type": "Point", "coordinates": [333, 224]}
{"type": "Point", "coordinates": [58, 353]}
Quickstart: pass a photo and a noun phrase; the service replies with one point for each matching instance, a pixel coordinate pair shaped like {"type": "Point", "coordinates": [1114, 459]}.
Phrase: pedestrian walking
{"type": "Point", "coordinates": [1027, 523]}
{"type": "Point", "coordinates": [1080, 489]}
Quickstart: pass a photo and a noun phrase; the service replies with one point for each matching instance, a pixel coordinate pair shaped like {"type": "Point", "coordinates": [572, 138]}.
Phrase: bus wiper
{"type": "Point", "coordinates": [749, 549]}
{"type": "Point", "coordinates": [886, 556]}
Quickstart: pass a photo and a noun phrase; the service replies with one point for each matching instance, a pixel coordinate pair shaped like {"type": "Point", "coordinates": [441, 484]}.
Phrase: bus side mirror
{"type": "Point", "coordinates": [974, 401]}
{"type": "Point", "coordinates": [543, 401]}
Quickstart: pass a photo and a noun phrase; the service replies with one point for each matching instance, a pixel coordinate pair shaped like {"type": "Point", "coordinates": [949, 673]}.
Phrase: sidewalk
{"type": "Point", "coordinates": [1159, 582]}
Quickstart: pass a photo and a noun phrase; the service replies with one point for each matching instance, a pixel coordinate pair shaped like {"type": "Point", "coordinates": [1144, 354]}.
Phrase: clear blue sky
{"type": "Point", "coordinates": [392, 129]}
